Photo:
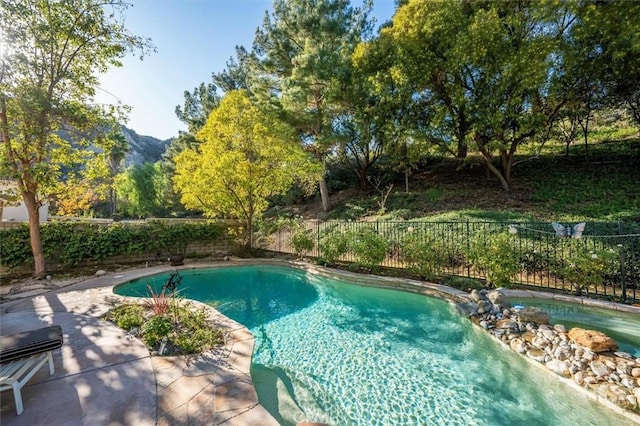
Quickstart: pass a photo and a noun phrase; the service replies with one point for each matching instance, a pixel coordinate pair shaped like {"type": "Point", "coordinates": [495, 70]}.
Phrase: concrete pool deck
{"type": "Point", "coordinates": [106, 377]}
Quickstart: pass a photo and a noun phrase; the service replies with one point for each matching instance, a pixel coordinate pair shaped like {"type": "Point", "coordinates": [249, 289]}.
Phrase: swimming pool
{"type": "Point", "coordinates": [340, 353]}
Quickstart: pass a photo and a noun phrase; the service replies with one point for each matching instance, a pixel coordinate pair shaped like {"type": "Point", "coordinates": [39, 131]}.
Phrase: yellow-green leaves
{"type": "Point", "coordinates": [245, 156]}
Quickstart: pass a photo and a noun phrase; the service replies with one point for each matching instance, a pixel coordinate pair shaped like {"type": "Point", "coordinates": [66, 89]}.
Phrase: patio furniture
{"type": "Point", "coordinates": [23, 354]}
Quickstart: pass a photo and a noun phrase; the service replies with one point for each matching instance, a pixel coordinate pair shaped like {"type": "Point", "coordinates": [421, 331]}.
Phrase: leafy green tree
{"type": "Point", "coordinates": [52, 54]}
{"type": "Point", "coordinates": [371, 120]}
{"type": "Point", "coordinates": [606, 42]}
{"type": "Point", "coordinates": [513, 60]}
{"type": "Point", "coordinates": [141, 191]}
{"type": "Point", "coordinates": [237, 74]}
{"type": "Point", "coordinates": [303, 50]}
{"type": "Point", "coordinates": [178, 144]}
{"type": "Point", "coordinates": [384, 108]}
{"type": "Point", "coordinates": [245, 156]}
{"type": "Point", "coordinates": [577, 77]}
{"type": "Point", "coordinates": [117, 148]}
{"type": "Point", "coordinates": [194, 112]}
{"type": "Point", "coordinates": [482, 71]}
{"type": "Point", "coordinates": [76, 197]}
{"type": "Point", "coordinates": [431, 65]}
{"type": "Point", "coordinates": [197, 106]}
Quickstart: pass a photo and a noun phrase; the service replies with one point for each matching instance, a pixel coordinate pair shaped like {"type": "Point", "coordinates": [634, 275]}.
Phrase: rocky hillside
{"type": "Point", "coordinates": [143, 149]}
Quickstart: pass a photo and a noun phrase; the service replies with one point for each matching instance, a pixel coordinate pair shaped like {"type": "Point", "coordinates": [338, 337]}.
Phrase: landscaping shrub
{"type": "Point", "coordinates": [586, 266]}
{"type": "Point", "coordinates": [423, 253]}
{"type": "Point", "coordinates": [368, 247]}
{"type": "Point", "coordinates": [159, 302]}
{"type": "Point", "coordinates": [493, 252]}
{"type": "Point", "coordinates": [15, 247]}
{"type": "Point", "coordinates": [301, 239]}
{"type": "Point", "coordinates": [192, 333]}
{"type": "Point", "coordinates": [155, 329]}
{"type": "Point", "coordinates": [463, 283]}
{"type": "Point", "coordinates": [127, 316]}
{"type": "Point", "coordinates": [333, 244]}
{"type": "Point", "coordinates": [186, 329]}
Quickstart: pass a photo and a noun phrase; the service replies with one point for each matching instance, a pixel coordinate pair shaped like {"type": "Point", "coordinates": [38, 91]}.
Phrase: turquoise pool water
{"type": "Point", "coordinates": [344, 354]}
{"type": "Point", "coordinates": [623, 327]}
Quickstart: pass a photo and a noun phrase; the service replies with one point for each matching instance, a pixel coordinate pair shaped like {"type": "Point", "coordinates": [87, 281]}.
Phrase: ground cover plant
{"type": "Point", "coordinates": [167, 324]}
{"type": "Point", "coordinates": [548, 186]}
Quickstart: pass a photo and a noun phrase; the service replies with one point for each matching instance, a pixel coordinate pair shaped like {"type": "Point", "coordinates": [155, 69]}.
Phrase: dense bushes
{"type": "Point", "coordinates": [333, 245]}
{"type": "Point", "coordinates": [71, 243]}
{"type": "Point", "coordinates": [586, 266]}
{"type": "Point", "coordinates": [301, 239]}
{"type": "Point", "coordinates": [423, 253]}
{"type": "Point", "coordinates": [368, 247]}
{"type": "Point", "coordinates": [494, 254]}
{"type": "Point", "coordinates": [479, 250]}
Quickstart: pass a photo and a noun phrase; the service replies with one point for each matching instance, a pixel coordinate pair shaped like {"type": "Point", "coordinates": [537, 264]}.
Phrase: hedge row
{"type": "Point", "coordinates": [71, 243]}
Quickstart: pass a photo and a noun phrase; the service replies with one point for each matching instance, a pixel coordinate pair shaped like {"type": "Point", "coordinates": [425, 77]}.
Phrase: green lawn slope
{"type": "Point", "coordinates": [547, 186]}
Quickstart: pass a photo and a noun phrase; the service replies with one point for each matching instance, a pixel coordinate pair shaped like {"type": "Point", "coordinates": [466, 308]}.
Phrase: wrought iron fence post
{"type": "Point", "coordinates": [623, 283]}
{"type": "Point", "coordinates": [468, 250]}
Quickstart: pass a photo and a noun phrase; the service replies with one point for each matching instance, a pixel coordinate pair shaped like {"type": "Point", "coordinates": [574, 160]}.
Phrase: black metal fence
{"type": "Point", "coordinates": [544, 257]}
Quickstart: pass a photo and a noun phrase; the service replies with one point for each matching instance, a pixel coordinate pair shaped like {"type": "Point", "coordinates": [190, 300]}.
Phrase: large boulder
{"type": "Point", "coordinates": [533, 314]}
{"type": "Point", "coordinates": [476, 296]}
{"type": "Point", "coordinates": [467, 309]}
{"type": "Point", "coordinates": [498, 298]}
{"type": "Point", "coordinates": [507, 324]}
{"type": "Point", "coordinates": [484, 306]}
{"type": "Point", "coordinates": [594, 340]}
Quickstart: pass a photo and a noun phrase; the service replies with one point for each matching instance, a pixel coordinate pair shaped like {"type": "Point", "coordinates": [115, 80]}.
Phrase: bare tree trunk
{"type": "Point", "coordinates": [504, 178]}
{"type": "Point", "coordinates": [586, 137]}
{"type": "Point", "coordinates": [324, 195]}
{"type": "Point", "coordinates": [584, 124]}
{"type": "Point", "coordinates": [462, 150]}
{"type": "Point", "coordinates": [4, 124]}
{"type": "Point", "coordinates": [33, 210]}
{"type": "Point", "coordinates": [506, 185]}
{"type": "Point", "coordinates": [362, 176]}
{"type": "Point", "coordinates": [406, 181]}
{"type": "Point", "coordinates": [250, 234]}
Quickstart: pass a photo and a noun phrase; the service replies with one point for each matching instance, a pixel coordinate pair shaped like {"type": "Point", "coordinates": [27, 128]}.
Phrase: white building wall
{"type": "Point", "coordinates": [19, 213]}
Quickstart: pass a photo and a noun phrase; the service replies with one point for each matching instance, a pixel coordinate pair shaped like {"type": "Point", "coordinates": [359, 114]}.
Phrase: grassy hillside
{"type": "Point", "coordinates": [605, 186]}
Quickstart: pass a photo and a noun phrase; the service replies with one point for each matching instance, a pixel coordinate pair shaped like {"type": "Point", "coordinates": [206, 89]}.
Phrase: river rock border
{"type": "Point", "coordinates": [596, 365]}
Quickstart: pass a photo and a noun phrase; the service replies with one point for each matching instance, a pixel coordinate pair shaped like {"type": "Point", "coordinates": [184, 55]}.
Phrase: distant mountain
{"type": "Point", "coordinates": [143, 149]}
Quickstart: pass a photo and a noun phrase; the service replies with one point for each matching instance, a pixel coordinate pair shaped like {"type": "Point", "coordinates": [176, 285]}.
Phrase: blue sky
{"type": "Point", "coordinates": [193, 38]}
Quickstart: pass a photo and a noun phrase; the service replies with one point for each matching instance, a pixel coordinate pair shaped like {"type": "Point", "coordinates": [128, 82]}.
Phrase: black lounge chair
{"type": "Point", "coordinates": [22, 355]}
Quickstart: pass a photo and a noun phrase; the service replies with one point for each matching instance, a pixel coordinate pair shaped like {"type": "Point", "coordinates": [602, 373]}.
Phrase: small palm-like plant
{"type": "Point", "coordinates": [159, 303]}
